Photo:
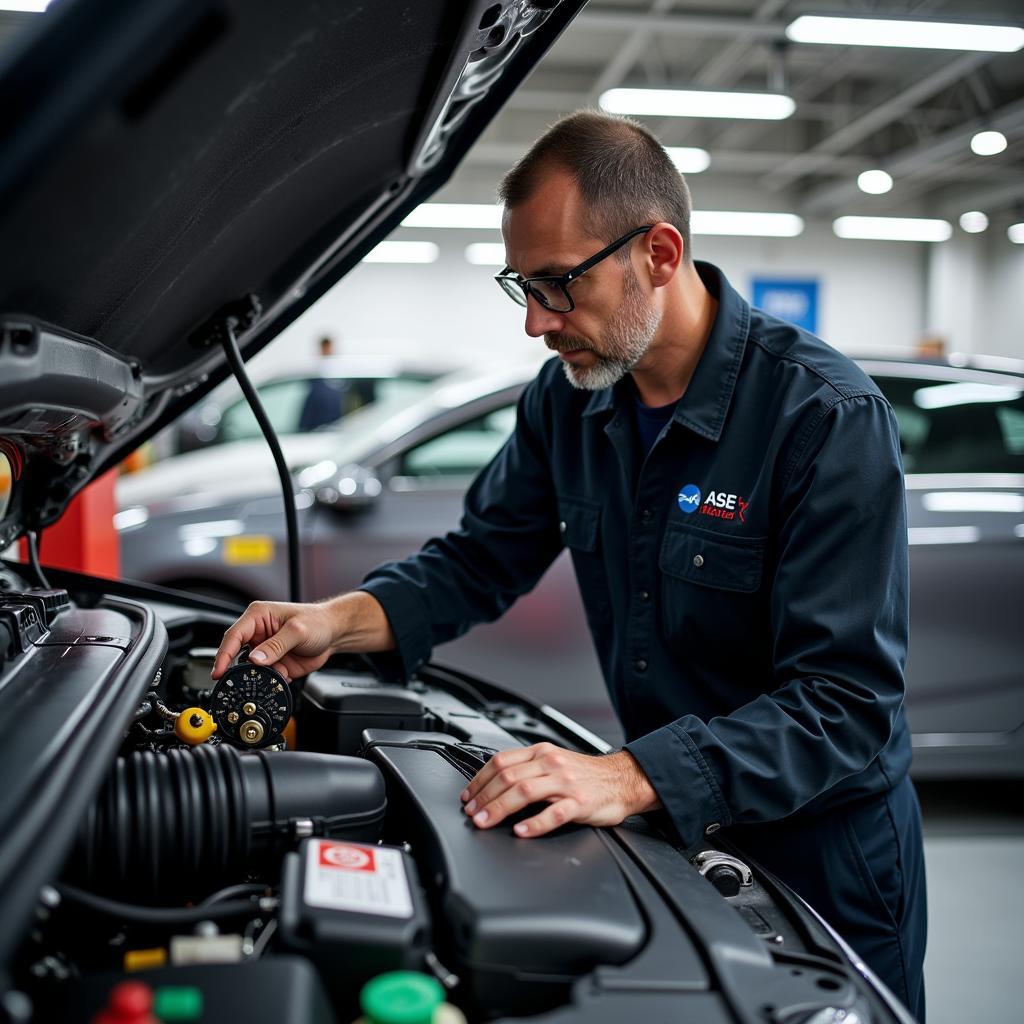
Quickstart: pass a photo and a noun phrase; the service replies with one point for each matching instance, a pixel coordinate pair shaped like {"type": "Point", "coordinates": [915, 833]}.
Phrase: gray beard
{"type": "Point", "coordinates": [625, 343]}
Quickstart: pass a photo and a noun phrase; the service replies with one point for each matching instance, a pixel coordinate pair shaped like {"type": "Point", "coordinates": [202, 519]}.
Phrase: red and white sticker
{"type": "Point", "coordinates": [351, 876]}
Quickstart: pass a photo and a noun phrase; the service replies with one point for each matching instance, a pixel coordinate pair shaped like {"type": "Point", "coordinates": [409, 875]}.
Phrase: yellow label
{"type": "Point", "coordinates": [144, 959]}
{"type": "Point", "coordinates": [256, 549]}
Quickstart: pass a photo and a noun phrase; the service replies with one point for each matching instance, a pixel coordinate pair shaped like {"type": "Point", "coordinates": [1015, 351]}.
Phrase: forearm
{"type": "Point", "coordinates": [360, 624]}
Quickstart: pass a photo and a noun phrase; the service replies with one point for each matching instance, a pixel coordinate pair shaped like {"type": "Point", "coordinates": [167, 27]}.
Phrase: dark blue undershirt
{"type": "Point", "coordinates": [649, 423]}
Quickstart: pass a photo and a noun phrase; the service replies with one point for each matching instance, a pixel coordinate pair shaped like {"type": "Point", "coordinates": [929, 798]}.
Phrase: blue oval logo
{"type": "Point", "coordinates": [689, 498]}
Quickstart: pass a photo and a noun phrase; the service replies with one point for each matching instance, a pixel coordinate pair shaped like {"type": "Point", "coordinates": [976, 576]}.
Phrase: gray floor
{"type": "Point", "coordinates": [974, 851]}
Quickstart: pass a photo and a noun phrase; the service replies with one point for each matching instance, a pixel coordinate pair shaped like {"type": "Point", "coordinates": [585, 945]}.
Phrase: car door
{"type": "Point", "coordinates": [541, 646]}
{"type": "Point", "coordinates": [962, 436]}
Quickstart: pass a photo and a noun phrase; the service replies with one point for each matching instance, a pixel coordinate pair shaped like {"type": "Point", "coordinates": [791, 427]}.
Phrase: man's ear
{"type": "Point", "coordinates": [664, 253]}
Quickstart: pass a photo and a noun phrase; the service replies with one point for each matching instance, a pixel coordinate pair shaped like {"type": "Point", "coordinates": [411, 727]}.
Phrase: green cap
{"type": "Point", "coordinates": [401, 997]}
{"type": "Point", "coordinates": [180, 1002]}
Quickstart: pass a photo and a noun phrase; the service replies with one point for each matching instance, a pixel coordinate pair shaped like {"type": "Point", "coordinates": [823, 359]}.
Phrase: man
{"type": "Point", "coordinates": [731, 493]}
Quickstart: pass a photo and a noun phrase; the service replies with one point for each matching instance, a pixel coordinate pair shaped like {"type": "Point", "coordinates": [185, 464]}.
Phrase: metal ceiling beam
{"type": "Point", "coordinates": [728, 64]}
{"type": "Point", "coordinates": [606, 20]}
{"type": "Point", "coordinates": [819, 155]}
{"type": "Point", "coordinates": [631, 49]}
{"type": "Point", "coordinates": [920, 159]}
{"type": "Point", "coordinates": [502, 154]}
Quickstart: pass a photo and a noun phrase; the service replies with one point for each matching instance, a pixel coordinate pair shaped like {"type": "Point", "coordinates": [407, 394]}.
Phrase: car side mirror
{"type": "Point", "coordinates": [351, 489]}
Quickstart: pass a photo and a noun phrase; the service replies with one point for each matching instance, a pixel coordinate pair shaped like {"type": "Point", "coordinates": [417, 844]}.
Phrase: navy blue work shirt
{"type": "Point", "coordinates": [745, 586]}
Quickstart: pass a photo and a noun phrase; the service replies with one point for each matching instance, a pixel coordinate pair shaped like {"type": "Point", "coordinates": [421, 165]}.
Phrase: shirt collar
{"type": "Point", "coordinates": [706, 403]}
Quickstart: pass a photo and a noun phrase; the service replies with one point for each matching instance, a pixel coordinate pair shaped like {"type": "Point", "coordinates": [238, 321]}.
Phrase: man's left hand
{"type": "Point", "coordinates": [589, 790]}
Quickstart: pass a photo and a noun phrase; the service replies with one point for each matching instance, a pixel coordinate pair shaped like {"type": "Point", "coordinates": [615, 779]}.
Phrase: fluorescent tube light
{"type": "Point", "coordinates": [973, 221]}
{"type": "Point", "coordinates": [486, 254]}
{"type": "Point", "coordinates": [758, 106]}
{"type": "Point", "coordinates": [928, 35]}
{"type": "Point", "coordinates": [875, 183]}
{"type": "Point", "coordinates": [403, 252]}
{"type": "Point", "coordinates": [1015, 233]}
{"type": "Point", "coordinates": [689, 159]}
{"type": "Point", "coordinates": [454, 215]}
{"type": "Point", "coordinates": [24, 6]}
{"type": "Point", "coordinates": [893, 229]}
{"type": "Point", "coordinates": [738, 222]}
{"type": "Point", "coordinates": [988, 143]}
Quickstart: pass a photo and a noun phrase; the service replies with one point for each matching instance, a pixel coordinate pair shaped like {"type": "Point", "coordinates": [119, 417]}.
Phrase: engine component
{"type": "Point", "coordinates": [251, 704]}
{"type": "Point", "coordinates": [181, 822]}
{"type": "Point", "coordinates": [274, 988]}
{"type": "Point", "coordinates": [354, 910]}
{"type": "Point", "coordinates": [338, 707]}
{"type": "Point", "coordinates": [509, 908]}
{"type": "Point", "coordinates": [726, 873]}
{"type": "Point", "coordinates": [194, 726]}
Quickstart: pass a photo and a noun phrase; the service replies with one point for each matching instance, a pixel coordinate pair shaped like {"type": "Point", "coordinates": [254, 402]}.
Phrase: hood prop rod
{"type": "Point", "coordinates": [241, 316]}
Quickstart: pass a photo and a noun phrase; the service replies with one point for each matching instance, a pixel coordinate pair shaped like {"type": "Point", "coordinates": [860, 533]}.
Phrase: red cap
{"type": "Point", "coordinates": [130, 1002]}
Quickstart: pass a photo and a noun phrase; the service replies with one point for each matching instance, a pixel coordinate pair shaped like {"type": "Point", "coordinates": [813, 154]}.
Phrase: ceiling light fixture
{"type": "Point", "coordinates": [973, 221]}
{"type": "Point", "coordinates": [689, 159]}
{"type": "Point", "coordinates": [739, 222]}
{"type": "Point", "coordinates": [1015, 233]}
{"type": "Point", "coordinates": [875, 183]}
{"type": "Point", "coordinates": [757, 106]}
{"type": "Point", "coordinates": [893, 229]}
{"type": "Point", "coordinates": [926, 35]}
{"type": "Point", "coordinates": [403, 252]}
{"type": "Point", "coordinates": [988, 143]}
{"type": "Point", "coordinates": [454, 215]}
{"type": "Point", "coordinates": [486, 254]}
{"type": "Point", "coordinates": [24, 6]}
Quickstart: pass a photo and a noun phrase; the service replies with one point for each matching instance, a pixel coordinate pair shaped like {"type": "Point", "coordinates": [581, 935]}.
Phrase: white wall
{"type": "Point", "coordinates": [872, 296]}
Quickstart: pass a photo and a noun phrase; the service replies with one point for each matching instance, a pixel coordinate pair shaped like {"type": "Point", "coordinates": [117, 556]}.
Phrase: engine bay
{"type": "Point", "coordinates": [267, 849]}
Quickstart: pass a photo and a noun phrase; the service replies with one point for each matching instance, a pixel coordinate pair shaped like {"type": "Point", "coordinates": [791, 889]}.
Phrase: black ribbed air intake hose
{"type": "Point", "coordinates": [177, 824]}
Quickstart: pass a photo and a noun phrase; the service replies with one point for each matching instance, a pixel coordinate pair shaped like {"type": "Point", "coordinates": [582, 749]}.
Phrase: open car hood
{"type": "Point", "coordinates": [172, 169]}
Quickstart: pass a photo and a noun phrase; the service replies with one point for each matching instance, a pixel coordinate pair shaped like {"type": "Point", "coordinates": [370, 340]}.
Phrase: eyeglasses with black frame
{"type": "Point", "coordinates": [551, 290]}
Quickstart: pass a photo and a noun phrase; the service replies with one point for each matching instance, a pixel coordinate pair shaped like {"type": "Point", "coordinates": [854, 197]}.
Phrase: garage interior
{"type": "Point", "coordinates": [933, 137]}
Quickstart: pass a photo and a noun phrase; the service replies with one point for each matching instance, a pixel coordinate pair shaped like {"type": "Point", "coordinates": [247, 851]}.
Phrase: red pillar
{"type": "Point", "coordinates": [84, 538]}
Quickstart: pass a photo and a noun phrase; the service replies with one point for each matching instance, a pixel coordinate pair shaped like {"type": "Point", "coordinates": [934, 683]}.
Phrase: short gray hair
{"type": "Point", "coordinates": [623, 173]}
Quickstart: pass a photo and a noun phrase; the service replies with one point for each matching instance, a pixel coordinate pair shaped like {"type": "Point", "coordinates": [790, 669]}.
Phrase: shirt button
{"type": "Point", "coordinates": [641, 665]}
{"type": "Point", "coordinates": [646, 515]}
{"type": "Point", "coordinates": [645, 595]}
{"type": "Point", "coordinates": [712, 828]}
{"type": "Point", "coordinates": [561, 526]}
{"type": "Point", "coordinates": [698, 561]}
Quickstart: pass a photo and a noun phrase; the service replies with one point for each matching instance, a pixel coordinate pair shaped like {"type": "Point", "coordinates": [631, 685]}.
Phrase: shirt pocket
{"type": "Point", "coordinates": [580, 527]}
{"type": "Point", "coordinates": [710, 589]}
{"type": "Point", "coordinates": [711, 560]}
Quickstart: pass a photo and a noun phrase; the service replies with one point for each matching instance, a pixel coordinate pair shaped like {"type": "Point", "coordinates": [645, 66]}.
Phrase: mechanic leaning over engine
{"type": "Point", "coordinates": [731, 493]}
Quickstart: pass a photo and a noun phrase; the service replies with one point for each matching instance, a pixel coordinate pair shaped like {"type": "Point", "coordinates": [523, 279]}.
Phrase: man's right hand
{"type": "Point", "coordinates": [296, 639]}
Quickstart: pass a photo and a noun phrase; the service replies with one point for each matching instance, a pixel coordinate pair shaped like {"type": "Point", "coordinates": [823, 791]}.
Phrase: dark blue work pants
{"type": "Point", "coordinates": [861, 866]}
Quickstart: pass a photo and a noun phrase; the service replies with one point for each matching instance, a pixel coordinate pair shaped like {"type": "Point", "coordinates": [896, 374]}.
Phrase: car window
{"type": "Point", "coordinates": [282, 400]}
{"type": "Point", "coordinates": [958, 426]}
{"type": "Point", "coordinates": [463, 450]}
{"type": "Point", "coordinates": [297, 406]}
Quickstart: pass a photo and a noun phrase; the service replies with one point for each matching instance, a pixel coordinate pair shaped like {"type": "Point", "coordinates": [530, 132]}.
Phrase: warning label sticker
{"type": "Point", "coordinates": [351, 876]}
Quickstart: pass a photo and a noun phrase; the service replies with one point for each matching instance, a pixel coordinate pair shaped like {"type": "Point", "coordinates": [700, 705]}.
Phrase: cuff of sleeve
{"type": "Point", "coordinates": [683, 781]}
{"type": "Point", "coordinates": [409, 623]}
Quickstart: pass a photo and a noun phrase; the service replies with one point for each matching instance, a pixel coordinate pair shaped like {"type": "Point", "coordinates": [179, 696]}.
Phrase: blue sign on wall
{"type": "Point", "coordinates": [789, 299]}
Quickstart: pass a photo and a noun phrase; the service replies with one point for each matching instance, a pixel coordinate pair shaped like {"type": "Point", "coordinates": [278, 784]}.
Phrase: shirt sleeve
{"type": "Point", "coordinates": [507, 538]}
{"type": "Point", "coordinates": [839, 608]}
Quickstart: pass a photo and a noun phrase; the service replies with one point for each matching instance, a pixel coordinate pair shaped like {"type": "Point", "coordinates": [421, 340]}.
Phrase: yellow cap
{"type": "Point", "coordinates": [194, 726]}
{"type": "Point", "coordinates": [144, 959]}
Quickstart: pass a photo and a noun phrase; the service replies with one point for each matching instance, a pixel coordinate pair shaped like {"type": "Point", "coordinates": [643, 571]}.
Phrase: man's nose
{"type": "Point", "coordinates": [541, 321]}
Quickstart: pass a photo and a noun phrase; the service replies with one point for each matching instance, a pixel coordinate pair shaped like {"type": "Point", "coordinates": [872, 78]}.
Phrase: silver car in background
{"type": "Point", "coordinates": [392, 476]}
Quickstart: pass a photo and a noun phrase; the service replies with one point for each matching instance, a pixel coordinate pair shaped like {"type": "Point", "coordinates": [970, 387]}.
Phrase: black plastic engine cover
{"type": "Point", "coordinates": [524, 917]}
